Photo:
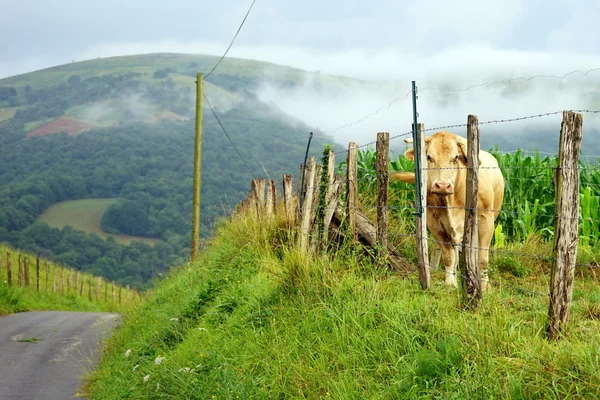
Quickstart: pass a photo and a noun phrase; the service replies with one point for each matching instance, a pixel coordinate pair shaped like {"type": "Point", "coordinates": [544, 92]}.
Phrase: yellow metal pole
{"type": "Point", "coordinates": [197, 171]}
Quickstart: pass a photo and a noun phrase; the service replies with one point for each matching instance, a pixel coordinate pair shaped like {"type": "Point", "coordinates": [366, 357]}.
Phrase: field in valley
{"type": "Point", "coordinates": [86, 215]}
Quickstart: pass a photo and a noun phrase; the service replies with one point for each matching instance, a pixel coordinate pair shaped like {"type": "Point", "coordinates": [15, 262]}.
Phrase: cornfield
{"type": "Point", "coordinates": [528, 206]}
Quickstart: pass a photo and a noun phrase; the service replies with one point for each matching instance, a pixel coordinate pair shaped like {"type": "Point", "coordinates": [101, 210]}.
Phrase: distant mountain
{"type": "Point", "coordinates": [123, 128]}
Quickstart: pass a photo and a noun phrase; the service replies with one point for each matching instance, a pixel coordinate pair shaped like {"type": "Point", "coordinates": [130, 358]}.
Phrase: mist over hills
{"type": "Point", "coordinates": [123, 128]}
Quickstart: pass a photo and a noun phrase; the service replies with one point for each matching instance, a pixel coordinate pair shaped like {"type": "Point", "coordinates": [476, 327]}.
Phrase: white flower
{"type": "Point", "coordinates": [158, 360]}
{"type": "Point", "coordinates": [174, 319]}
{"type": "Point", "coordinates": [127, 353]}
{"type": "Point", "coordinates": [146, 378]}
{"type": "Point", "coordinates": [186, 369]}
{"type": "Point", "coordinates": [134, 368]}
{"type": "Point", "coordinates": [202, 329]}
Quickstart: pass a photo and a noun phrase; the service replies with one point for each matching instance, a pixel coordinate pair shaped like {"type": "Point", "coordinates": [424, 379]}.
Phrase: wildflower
{"type": "Point", "coordinates": [174, 319]}
{"type": "Point", "coordinates": [158, 360]}
{"type": "Point", "coordinates": [146, 378]}
{"type": "Point", "coordinates": [202, 329]}
{"type": "Point", "coordinates": [128, 353]}
{"type": "Point", "coordinates": [186, 369]}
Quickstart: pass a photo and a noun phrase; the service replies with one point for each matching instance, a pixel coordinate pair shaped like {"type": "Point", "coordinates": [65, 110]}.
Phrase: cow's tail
{"type": "Point", "coordinates": [408, 177]}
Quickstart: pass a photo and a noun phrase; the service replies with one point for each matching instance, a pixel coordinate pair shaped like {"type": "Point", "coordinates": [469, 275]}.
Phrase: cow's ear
{"type": "Point", "coordinates": [463, 152]}
{"type": "Point", "coordinates": [410, 154]}
{"type": "Point", "coordinates": [462, 148]}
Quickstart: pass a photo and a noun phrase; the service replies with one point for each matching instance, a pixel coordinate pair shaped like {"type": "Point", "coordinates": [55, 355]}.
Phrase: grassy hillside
{"type": "Point", "coordinates": [85, 215]}
{"type": "Point", "coordinates": [54, 293]}
{"type": "Point", "coordinates": [255, 318]}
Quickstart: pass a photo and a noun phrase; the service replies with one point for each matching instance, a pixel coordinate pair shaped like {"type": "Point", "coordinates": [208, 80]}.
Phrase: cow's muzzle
{"type": "Point", "coordinates": [442, 188]}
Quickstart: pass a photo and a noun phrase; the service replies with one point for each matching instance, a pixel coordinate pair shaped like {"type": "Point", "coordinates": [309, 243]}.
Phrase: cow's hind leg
{"type": "Point", "coordinates": [486, 232]}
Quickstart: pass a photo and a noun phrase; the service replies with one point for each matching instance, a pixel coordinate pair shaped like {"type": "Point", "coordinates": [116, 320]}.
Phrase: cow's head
{"type": "Point", "coordinates": [445, 153]}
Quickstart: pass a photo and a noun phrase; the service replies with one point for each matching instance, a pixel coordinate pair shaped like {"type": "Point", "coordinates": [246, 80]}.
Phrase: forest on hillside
{"type": "Point", "coordinates": [149, 167]}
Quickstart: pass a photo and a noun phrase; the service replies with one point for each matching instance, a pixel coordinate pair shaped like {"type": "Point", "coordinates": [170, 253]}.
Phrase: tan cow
{"type": "Point", "coordinates": [446, 192]}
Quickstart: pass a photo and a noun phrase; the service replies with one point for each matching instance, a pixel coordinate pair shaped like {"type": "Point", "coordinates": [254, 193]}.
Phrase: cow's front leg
{"type": "Point", "coordinates": [450, 259]}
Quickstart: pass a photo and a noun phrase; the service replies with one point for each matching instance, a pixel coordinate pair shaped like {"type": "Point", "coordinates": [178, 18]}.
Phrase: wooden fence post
{"type": "Point", "coordinates": [468, 261]}
{"type": "Point", "coordinates": [90, 284]}
{"type": "Point", "coordinates": [26, 266]}
{"type": "Point", "coordinates": [566, 224]}
{"type": "Point", "coordinates": [113, 292]}
{"type": "Point", "coordinates": [269, 205]}
{"type": "Point", "coordinates": [332, 194]}
{"type": "Point", "coordinates": [382, 153]}
{"type": "Point", "coordinates": [54, 278]}
{"type": "Point", "coordinates": [352, 188]}
{"type": "Point", "coordinates": [288, 198]}
{"type": "Point", "coordinates": [307, 204]}
{"type": "Point", "coordinates": [105, 290]}
{"type": "Point", "coordinates": [98, 288]}
{"type": "Point", "coordinates": [421, 214]}
{"type": "Point", "coordinates": [62, 280]}
{"type": "Point", "coordinates": [258, 186]}
{"type": "Point", "coordinates": [120, 291]}
{"type": "Point", "coordinates": [69, 280]}
{"type": "Point", "coordinates": [47, 274]}
{"type": "Point", "coordinates": [8, 270]}
{"type": "Point", "coordinates": [20, 273]}
{"type": "Point", "coordinates": [82, 284]}
{"type": "Point", "coordinates": [37, 272]}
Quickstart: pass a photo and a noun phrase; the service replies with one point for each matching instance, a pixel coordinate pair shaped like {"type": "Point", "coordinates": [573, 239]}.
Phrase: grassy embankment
{"type": "Point", "coordinates": [86, 215]}
{"type": "Point", "coordinates": [255, 318]}
{"type": "Point", "coordinates": [53, 295]}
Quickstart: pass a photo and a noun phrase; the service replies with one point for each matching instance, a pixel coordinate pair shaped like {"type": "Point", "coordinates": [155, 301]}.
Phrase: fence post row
{"type": "Point", "coordinates": [566, 223]}
{"type": "Point", "coordinates": [469, 256]}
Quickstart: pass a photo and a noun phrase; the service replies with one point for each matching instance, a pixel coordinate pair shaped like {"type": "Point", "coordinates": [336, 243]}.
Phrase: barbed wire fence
{"type": "Point", "coordinates": [330, 196]}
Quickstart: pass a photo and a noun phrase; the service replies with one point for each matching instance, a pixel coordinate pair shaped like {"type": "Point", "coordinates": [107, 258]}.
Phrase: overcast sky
{"type": "Point", "coordinates": [435, 42]}
{"type": "Point", "coordinates": [349, 37]}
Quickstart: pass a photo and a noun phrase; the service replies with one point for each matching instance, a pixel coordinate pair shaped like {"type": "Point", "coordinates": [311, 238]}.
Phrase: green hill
{"type": "Point", "coordinates": [123, 127]}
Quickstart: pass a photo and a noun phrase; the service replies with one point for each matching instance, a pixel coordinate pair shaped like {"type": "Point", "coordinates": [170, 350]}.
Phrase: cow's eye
{"type": "Point", "coordinates": [429, 158]}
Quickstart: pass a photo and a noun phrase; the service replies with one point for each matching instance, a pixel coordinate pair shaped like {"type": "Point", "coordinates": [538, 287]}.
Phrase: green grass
{"type": "Point", "coordinates": [86, 215]}
{"type": "Point", "coordinates": [255, 318]}
{"type": "Point", "coordinates": [7, 112]}
{"type": "Point", "coordinates": [20, 297]}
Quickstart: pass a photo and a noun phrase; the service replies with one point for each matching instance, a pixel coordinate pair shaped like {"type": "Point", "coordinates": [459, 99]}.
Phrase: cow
{"type": "Point", "coordinates": [446, 193]}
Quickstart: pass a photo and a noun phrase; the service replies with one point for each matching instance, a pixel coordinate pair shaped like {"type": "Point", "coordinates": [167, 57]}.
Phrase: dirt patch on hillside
{"type": "Point", "coordinates": [68, 125]}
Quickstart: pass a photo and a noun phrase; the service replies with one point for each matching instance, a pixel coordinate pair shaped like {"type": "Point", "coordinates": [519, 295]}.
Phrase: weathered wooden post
{"type": "Point", "coordinates": [269, 205]}
{"type": "Point", "coordinates": [98, 288]}
{"type": "Point", "coordinates": [105, 290]}
{"type": "Point", "coordinates": [382, 167]}
{"type": "Point", "coordinates": [113, 291]}
{"type": "Point", "coordinates": [8, 270]}
{"type": "Point", "coordinates": [566, 223]}
{"type": "Point", "coordinates": [352, 188]}
{"type": "Point", "coordinates": [37, 272]}
{"type": "Point", "coordinates": [288, 198]}
{"type": "Point", "coordinates": [20, 272]}
{"type": "Point", "coordinates": [76, 281]}
{"type": "Point", "coordinates": [468, 261]}
{"type": "Point", "coordinates": [331, 196]}
{"type": "Point", "coordinates": [26, 264]}
{"type": "Point", "coordinates": [258, 187]}
{"type": "Point", "coordinates": [54, 278]}
{"type": "Point", "coordinates": [47, 274]}
{"type": "Point", "coordinates": [421, 204]}
{"type": "Point", "coordinates": [307, 204]}
{"type": "Point", "coordinates": [90, 284]}
{"type": "Point", "coordinates": [62, 280]}
{"type": "Point", "coordinates": [120, 291]}
{"type": "Point", "coordinates": [82, 284]}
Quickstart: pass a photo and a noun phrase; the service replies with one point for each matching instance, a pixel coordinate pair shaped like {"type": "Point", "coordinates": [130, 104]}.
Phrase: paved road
{"type": "Point", "coordinates": [45, 354]}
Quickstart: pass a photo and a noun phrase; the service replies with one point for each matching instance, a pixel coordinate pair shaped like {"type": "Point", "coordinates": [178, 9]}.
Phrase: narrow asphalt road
{"type": "Point", "coordinates": [45, 354]}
